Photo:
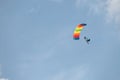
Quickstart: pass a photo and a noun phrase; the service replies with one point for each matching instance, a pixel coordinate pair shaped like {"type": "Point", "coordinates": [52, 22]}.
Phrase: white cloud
{"type": "Point", "coordinates": [58, 1]}
{"type": "Point", "coordinates": [3, 79]}
{"type": "Point", "coordinates": [0, 70]}
{"type": "Point", "coordinates": [97, 7]}
{"type": "Point", "coordinates": [1, 73]}
{"type": "Point", "coordinates": [77, 3]}
{"type": "Point", "coordinates": [77, 73]}
{"type": "Point", "coordinates": [113, 10]}
{"type": "Point", "coordinates": [34, 10]}
{"type": "Point", "coordinates": [110, 8]}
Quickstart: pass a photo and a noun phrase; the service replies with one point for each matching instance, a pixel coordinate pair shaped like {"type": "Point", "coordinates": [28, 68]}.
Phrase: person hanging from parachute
{"type": "Point", "coordinates": [77, 32]}
{"type": "Point", "coordinates": [87, 39]}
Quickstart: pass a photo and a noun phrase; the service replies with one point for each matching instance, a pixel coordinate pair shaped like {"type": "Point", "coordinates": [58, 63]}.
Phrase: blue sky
{"type": "Point", "coordinates": [36, 40]}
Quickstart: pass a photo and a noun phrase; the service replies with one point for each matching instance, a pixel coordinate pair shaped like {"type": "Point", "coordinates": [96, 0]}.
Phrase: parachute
{"type": "Point", "coordinates": [77, 31]}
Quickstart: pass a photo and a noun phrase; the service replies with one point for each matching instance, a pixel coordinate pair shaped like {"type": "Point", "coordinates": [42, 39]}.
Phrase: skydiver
{"type": "Point", "coordinates": [87, 40]}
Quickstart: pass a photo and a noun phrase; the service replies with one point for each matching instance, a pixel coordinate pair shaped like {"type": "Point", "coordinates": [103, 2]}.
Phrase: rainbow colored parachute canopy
{"type": "Point", "coordinates": [77, 31]}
